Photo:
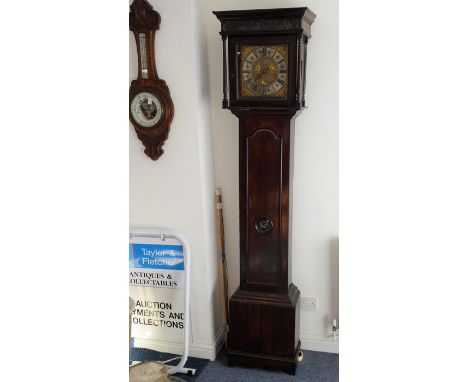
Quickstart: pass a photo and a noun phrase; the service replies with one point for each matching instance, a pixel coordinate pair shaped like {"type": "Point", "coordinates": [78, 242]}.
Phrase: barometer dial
{"type": "Point", "coordinates": [146, 109]}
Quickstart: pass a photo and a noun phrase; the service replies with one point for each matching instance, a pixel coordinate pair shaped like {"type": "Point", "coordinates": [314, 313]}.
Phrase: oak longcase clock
{"type": "Point", "coordinates": [264, 70]}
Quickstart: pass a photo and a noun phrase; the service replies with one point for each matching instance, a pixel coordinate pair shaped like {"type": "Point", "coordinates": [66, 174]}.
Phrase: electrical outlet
{"type": "Point", "coordinates": [309, 303]}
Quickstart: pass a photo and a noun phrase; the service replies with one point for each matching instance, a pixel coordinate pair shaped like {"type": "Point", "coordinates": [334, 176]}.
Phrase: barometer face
{"type": "Point", "coordinates": [146, 109]}
{"type": "Point", "coordinates": [264, 71]}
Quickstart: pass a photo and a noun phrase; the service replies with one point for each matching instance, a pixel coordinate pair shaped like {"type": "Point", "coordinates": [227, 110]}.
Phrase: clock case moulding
{"type": "Point", "coordinates": [264, 310]}
{"type": "Point", "coordinates": [262, 27]}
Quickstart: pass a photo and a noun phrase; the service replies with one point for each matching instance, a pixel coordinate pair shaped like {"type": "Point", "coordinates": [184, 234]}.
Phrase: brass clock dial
{"type": "Point", "coordinates": [264, 71]}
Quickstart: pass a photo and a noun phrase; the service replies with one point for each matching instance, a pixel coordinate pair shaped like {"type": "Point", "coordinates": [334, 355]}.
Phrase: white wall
{"type": "Point", "coordinates": [315, 192]}
{"type": "Point", "coordinates": [202, 150]}
{"type": "Point", "coordinates": [177, 190]}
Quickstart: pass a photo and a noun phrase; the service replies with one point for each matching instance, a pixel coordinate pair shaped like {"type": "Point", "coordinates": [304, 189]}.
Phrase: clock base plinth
{"type": "Point", "coordinates": [265, 361]}
{"type": "Point", "coordinates": [264, 329]}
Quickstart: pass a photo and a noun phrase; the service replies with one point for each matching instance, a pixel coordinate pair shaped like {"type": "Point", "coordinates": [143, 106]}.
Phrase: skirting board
{"type": "Point", "coordinates": [199, 350]}
{"type": "Point", "coordinates": [318, 343]}
{"type": "Point", "coordinates": [209, 351]}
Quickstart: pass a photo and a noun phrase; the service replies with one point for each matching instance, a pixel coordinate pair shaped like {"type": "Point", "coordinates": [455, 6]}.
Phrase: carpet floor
{"type": "Point", "coordinates": [316, 367]}
{"type": "Point", "coordinates": [142, 354]}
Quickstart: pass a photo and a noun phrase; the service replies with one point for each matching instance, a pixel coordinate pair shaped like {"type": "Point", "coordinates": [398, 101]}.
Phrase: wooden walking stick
{"type": "Point", "coordinates": [222, 260]}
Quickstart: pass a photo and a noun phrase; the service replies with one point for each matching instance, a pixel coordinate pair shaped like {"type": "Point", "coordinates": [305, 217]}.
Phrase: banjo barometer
{"type": "Point", "coordinates": [264, 67]}
{"type": "Point", "coordinates": [151, 107]}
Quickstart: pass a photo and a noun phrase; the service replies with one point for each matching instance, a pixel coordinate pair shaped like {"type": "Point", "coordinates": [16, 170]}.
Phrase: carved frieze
{"type": "Point", "coordinates": [267, 25]}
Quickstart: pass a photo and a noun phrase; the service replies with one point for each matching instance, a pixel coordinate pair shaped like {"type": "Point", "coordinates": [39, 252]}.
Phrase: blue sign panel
{"type": "Point", "coordinates": [156, 256]}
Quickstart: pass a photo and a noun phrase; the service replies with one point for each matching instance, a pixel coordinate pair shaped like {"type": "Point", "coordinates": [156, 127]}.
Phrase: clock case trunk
{"type": "Point", "coordinates": [264, 310]}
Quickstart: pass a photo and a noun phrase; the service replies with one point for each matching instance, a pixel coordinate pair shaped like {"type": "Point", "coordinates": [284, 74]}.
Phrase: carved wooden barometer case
{"type": "Point", "coordinates": [264, 67]}
{"type": "Point", "coordinates": [151, 107]}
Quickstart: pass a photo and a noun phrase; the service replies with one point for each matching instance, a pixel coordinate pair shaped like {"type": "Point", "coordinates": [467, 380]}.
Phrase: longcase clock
{"type": "Point", "coordinates": [151, 107]}
{"type": "Point", "coordinates": [264, 67]}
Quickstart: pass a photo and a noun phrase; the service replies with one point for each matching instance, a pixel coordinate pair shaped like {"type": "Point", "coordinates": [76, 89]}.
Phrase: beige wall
{"type": "Point", "coordinates": [177, 191]}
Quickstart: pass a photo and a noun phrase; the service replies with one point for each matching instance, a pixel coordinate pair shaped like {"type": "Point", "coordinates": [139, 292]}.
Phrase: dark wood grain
{"type": "Point", "coordinates": [154, 138]}
{"type": "Point", "coordinates": [264, 329]}
{"type": "Point", "coordinates": [266, 21]}
{"type": "Point", "coordinates": [264, 191]}
{"type": "Point", "coordinates": [264, 311]}
{"type": "Point", "coordinates": [235, 77]}
{"type": "Point", "coordinates": [143, 19]}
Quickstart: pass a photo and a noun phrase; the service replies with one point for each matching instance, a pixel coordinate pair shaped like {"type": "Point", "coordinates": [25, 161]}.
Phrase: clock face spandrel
{"type": "Point", "coordinates": [264, 71]}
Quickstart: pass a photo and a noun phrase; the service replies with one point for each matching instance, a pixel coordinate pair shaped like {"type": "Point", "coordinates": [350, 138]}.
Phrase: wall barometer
{"type": "Point", "coordinates": [151, 107]}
